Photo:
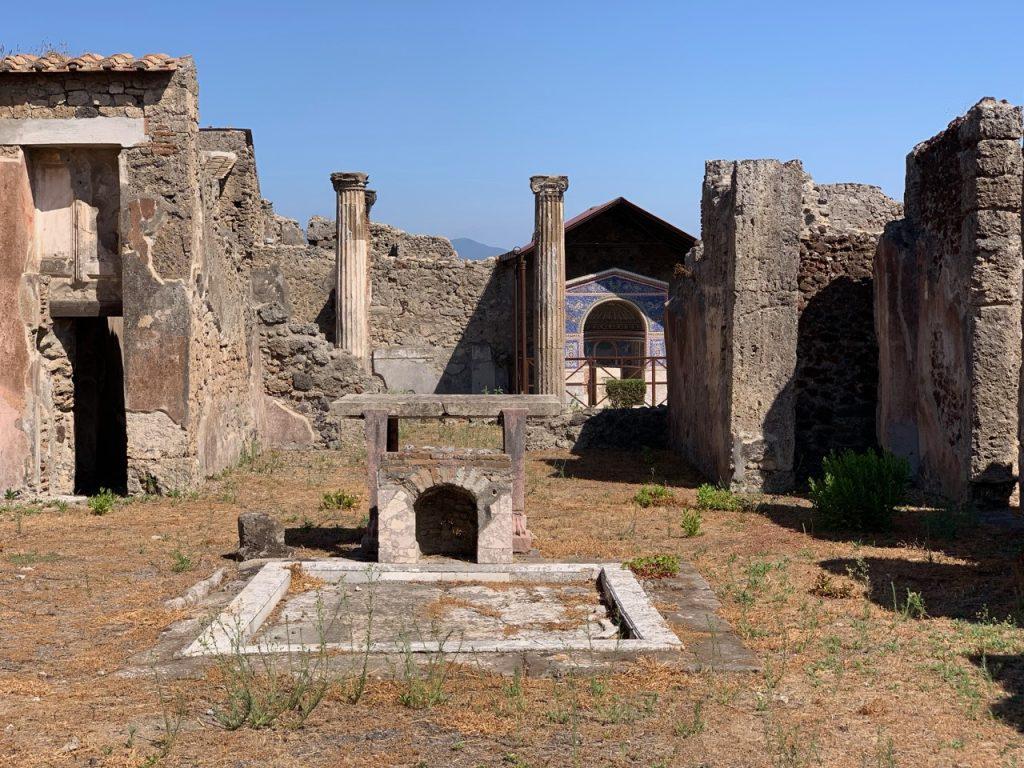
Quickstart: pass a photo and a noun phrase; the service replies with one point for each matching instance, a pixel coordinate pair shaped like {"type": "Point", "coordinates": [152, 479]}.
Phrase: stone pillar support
{"type": "Point", "coordinates": [352, 266]}
{"type": "Point", "coordinates": [375, 426]}
{"type": "Point", "coordinates": [549, 284]}
{"type": "Point", "coordinates": [513, 424]}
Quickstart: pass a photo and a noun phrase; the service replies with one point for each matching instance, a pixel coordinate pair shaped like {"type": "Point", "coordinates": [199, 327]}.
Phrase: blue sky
{"type": "Point", "coordinates": [451, 106]}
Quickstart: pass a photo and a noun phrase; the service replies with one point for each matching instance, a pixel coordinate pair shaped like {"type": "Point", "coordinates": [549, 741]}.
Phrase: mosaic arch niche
{"type": "Point", "coordinates": [605, 311]}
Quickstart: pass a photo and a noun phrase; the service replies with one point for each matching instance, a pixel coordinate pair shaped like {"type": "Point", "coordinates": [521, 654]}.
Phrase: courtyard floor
{"type": "Point", "coordinates": [901, 650]}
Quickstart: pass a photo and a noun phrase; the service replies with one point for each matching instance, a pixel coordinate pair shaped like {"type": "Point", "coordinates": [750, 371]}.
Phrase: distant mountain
{"type": "Point", "coordinates": [472, 250]}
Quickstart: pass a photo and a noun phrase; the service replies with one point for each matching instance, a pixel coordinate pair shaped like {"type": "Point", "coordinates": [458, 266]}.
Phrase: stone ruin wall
{"type": "Point", "coordinates": [226, 372]}
{"type": "Point", "coordinates": [187, 333]}
{"type": "Point", "coordinates": [769, 325]}
{"type": "Point", "coordinates": [159, 199]}
{"type": "Point", "coordinates": [731, 327]}
{"type": "Point", "coordinates": [948, 309]}
{"type": "Point", "coordinates": [430, 310]}
{"type": "Point", "coordinates": [836, 386]}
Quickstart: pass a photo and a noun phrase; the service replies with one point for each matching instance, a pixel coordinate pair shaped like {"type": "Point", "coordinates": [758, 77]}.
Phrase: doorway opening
{"type": "Point", "coordinates": [101, 435]}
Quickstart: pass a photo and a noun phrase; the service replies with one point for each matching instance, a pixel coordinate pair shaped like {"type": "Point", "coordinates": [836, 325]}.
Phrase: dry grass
{"type": "Point", "coordinates": [847, 681]}
{"type": "Point", "coordinates": [301, 581]}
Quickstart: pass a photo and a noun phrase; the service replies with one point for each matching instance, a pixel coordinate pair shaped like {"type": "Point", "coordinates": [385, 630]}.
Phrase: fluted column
{"type": "Point", "coordinates": [549, 285]}
{"type": "Point", "coordinates": [352, 295]}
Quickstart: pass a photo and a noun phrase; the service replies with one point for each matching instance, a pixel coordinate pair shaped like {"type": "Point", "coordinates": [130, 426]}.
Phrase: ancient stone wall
{"type": "Point", "coordinates": [190, 218]}
{"type": "Point", "coordinates": [731, 327]}
{"type": "Point", "coordinates": [226, 371]}
{"type": "Point", "coordinates": [837, 353]}
{"type": "Point", "coordinates": [948, 309]}
{"type": "Point", "coordinates": [437, 322]}
{"type": "Point", "coordinates": [159, 200]}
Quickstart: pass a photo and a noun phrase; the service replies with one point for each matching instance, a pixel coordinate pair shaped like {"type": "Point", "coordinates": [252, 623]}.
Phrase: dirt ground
{"type": "Point", "coordinates": [895, 651]}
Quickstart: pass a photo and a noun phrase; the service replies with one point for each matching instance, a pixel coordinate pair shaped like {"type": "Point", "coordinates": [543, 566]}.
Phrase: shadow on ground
{"type": "Point", "coordinates": [950, 590]}
{"type": "Point", "coordinates": [336, 541]}
{"type": "Point", "coordinates": [614, 466]}
{"type": "Point", "coordinates": [1008, 671]}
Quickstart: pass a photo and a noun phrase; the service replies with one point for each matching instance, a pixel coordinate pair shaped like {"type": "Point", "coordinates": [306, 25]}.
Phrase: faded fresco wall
{"type": "Point", "coordinates": [948, 309]}
{"type": "Point", "coordinates": [186, 346]}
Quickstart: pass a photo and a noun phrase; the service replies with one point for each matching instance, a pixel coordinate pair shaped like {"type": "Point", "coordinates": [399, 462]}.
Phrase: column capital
{"type": "Point", "coordinates": [349, 180]}
{"type": "Point", "coordinates": [549, 185]}
{"type": "Point", "coordinates": [371, 198]}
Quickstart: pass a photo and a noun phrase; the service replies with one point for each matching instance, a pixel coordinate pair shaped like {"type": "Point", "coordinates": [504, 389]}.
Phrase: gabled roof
{"type": "Point", "coordinates": [653, 282]}
{"type": "Point", "coordinates": [668, 231]}
{"type": "Point", "coordinates": [88, 62]}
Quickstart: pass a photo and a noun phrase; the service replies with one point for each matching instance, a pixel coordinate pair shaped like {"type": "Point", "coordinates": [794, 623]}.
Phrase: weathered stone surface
{"type": "Point", "coordinates": [549, 285]}
{"type": "Point", "coordinates": [184, 228]}
{"type": "Point", "coordinates": [618, 428]}
{"type": "Point", "coordinates": [444, 501]}
{"type": "Point", "coordinates": [731, 327]}
{"type": "Point", "coordinates": [424, 298]}
{"type": "Point", "coordinates": [352, 268]}
{"type": "Point", "coordinates": [284, 428]}
{"type": "Point", "coordinates": [948, 309]}
{"type": "Point", "coordinates": [464, 369]}
{"type": "Point", "coordinates": [836, 381]}
{"type": "Point", "coordinates": [260, 535]}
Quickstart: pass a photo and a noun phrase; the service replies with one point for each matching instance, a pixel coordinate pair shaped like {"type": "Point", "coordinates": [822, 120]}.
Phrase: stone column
{"type": "Point", "coordinates": [352, 295]}
{"type": "Point", "coordinates": [549, 285]}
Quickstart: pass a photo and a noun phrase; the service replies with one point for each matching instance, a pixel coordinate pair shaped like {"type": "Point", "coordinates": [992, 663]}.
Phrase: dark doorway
{"type": "Point", "coordinates": [446, 522]}
{"type": "Point", "coordinates": [101, 438]}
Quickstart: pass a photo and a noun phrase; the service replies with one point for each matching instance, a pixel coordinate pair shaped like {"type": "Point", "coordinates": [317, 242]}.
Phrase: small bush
{"type": "Point", "coordinates": [651, 495]}
{"type": "Point", "coordinates": [859, 491]}
{"type": "Point", "coordinates": [102, 502]}
{"type": "Point", "coordinates": [626, 393]}
{"type": "Point", "coordinates": [654, 566]}
{"type": "Point", "coordinates": [339, 500]}
{"type": "Point", "coordinates": [712, 497]}
{"type": "Point", "coordinates": [690, 523]}
{"type": "Point", "coordinates": [180, 562]}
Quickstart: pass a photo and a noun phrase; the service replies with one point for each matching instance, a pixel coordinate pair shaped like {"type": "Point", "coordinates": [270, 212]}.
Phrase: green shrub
{"type": "Point", "coordinates": [180, 562]}
{"type": "Point", "coordinates": [102, 502]}
{"type": "Point", "coordinates": [690, 523]}
{"type": "Point", "coordinates": [626, 393]}
{"type": "Point", "coordinates": [339, 500]}
{"type": "Point", "coordinates": [712, 497]}
{"type": "Point", "coordinates": [859, 491]}
{"type": "Point", "coordinates": [654, 566]}
{"type": "Point", "coordinates": [651, 495]}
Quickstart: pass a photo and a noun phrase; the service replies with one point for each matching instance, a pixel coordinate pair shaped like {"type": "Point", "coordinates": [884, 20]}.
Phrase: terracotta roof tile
{"type": "Point", "coordinates": [88, 62]}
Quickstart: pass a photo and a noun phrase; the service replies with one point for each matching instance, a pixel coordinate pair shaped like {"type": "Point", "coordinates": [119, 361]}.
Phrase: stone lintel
{"type": "Point", "coordinates": [74, 131]}
{"type": "Point", "coordinates": [441, 406]}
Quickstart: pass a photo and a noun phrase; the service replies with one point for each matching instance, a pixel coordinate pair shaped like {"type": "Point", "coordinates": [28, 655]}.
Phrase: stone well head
{"type": "Point", "coordinates": [456, 503]}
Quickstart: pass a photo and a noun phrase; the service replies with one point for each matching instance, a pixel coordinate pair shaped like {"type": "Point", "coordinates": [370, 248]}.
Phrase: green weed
{"type": "Point", "coordinates": [651, 496]}
{"type": "Point", "coordinates": [654, 566]}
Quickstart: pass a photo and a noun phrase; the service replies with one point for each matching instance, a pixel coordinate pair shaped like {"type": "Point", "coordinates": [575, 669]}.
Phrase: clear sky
{"type": "Point", "coordinates": [451, 106]}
